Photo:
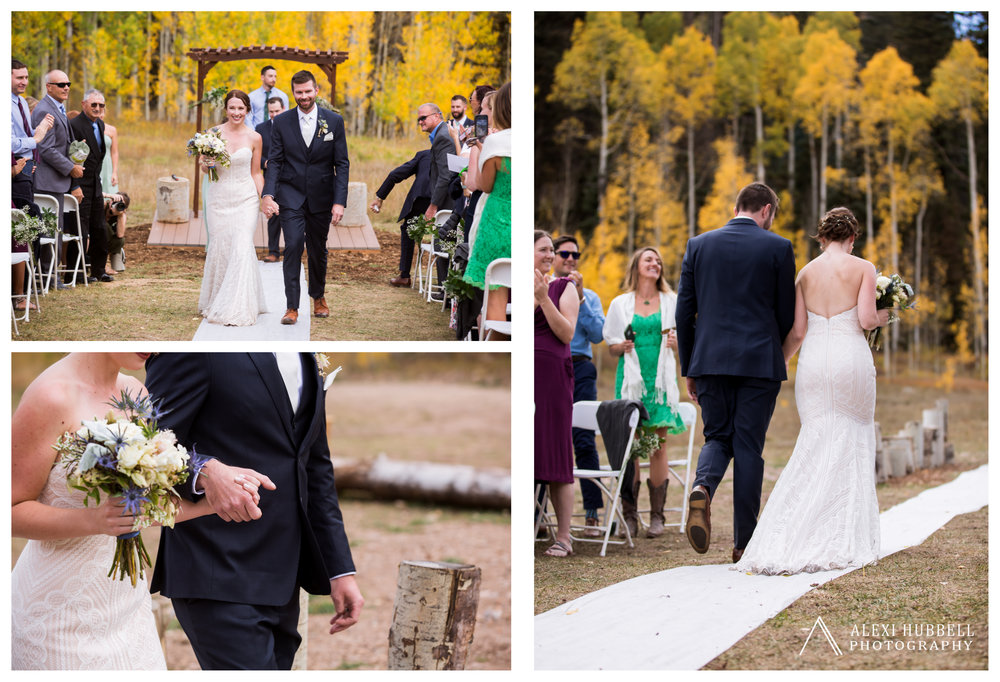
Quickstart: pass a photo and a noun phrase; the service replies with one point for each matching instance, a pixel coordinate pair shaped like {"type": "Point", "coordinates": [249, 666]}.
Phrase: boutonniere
{"type": "Point", "coordinates": [323, 365]}
{"type": "Point", "coordinates": [322, 129]}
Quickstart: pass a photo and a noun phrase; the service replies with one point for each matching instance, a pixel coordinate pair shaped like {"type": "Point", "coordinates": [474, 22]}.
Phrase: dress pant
{"type": "Point", "coordinates": [229, 636]}
{"type": "Point", "coordinates": [307, 230]}
{"type": "Point", "coordinates": [274, 235]}
{"type": "Point", "coordinates": [94, 230]}
{"type": "Point", "coordinates": [585, 388]}
{"type": "Point", "coordinates": [735, 412]}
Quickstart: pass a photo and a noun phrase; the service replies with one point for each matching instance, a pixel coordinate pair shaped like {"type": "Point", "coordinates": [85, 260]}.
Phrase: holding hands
{"type": "Point", "coordinates": [233, 491]}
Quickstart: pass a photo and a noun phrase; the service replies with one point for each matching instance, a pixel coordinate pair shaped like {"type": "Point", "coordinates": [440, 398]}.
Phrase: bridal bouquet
{"type": "Point", "coordinates": [893, 293]}
{"type": "Point", "coordinates": [210, 145]}
{"type": "Point", "coordinates": [129, 457]}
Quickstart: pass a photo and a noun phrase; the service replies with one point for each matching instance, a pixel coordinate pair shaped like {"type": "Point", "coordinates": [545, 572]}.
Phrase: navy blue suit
{"type": "Point", "coordinates": [235, 585]}
{"type": "Point", "coordinates": [415, 204]}
{"type": "Point", "coordinates": [306, 181]}
{"type": "Point", "coordinates": [274, 222]}
{"type": "Point", "coordinates": [735, 305]}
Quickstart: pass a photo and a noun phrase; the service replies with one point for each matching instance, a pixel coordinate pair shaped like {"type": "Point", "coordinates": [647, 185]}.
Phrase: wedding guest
{"type": "Point", "coordinates": [115, 217]}
{"type": "Point", "coordinates": [490, 171]}
{"type": "Point", "coordinates": [109, 169]}
{"type": "Point", "coordinates": [556, 307]}
{"type": "Point", "coordinates": [476, 98]}
{"type": "Point", "coordinates": [260, 96]}
{"type": "Point", "coordinates": [458, 106]}
{"type": "Point", "coordinates": [89, 127]}
{"type": "Point", "coordinates": [275, 106]}
{"type": "Point", "coordinates": [55, 171]}
{"type": "Point", "coordinates": [414, 205]}
{"type": "Point", "coordinates": [589, 330]}
{"type": "Point", "coordinates": [24, 139]}
{"type": "Point", "coordinates": [640, 332]}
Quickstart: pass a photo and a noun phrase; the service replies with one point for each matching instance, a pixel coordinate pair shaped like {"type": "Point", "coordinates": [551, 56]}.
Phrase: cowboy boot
{"type": "Point", "coordinates": [630, 511]}
{"type": "Point", "coordinates": [657, 498]}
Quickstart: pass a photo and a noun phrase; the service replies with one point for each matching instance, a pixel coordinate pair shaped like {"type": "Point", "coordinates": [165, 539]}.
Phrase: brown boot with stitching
{"type": "Point", "coordinates": [699, 523]}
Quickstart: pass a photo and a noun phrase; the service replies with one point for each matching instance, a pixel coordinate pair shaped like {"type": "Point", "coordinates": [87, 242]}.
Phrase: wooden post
{"type": "Point", "coordinates": [434, 615]}
{"type": "Point", "coordinates": [301, 660]}
{"type": "Point", "coordinates": [942, 404]}
{"type": "Point", "coordinates": [900, 456]}
{"type": "Point", "coordinates": [934, 419]}
{"type": "Point", "coordinates": [915, 432]}
{"type": "Point", "coordinates": [881, 470]}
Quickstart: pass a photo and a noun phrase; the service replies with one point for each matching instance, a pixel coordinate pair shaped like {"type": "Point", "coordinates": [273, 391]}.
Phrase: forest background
{"type": "Point", "coordinates": [396, 60]}
{"type": "Point", "coordinates": [647, 124]}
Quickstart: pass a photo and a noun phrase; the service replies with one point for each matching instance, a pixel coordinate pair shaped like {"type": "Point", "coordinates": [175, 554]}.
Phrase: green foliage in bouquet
{"type": "Point", "coordinates": [646, 442]}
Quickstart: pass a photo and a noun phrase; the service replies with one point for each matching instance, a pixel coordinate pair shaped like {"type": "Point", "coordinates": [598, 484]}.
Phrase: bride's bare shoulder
{"type": "Point", "coordinates": [49, 399]}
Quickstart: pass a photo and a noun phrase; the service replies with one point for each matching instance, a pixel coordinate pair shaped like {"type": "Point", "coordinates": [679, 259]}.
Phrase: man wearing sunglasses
{"type": "Point", "coordinates": [55, 172]}
{"type": "Point", "coordinates": [589, 328]}
{"type": "Point", "coordinates": [90, 128]}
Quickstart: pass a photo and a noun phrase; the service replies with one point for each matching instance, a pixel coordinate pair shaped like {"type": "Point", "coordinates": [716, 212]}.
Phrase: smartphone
{"type": "Point", "coordinates": [482, 126]}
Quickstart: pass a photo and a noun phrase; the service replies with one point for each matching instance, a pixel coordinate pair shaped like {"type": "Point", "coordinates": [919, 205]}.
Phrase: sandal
{"type": "Point", "coordinates": [559, 549]}
{"type": "Point", "coordinates": [20, 306]}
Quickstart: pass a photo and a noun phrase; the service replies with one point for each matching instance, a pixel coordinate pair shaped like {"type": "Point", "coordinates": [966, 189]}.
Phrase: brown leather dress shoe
{"type": "Point", "coordinates": [270, 258]}
{"type": "Point", "coordinates": [737, 554]}
{"type": "Point", "coordinates": [699, 524]}
{"type": "Point", "coordinates": [401, 282]}
{"type": "Point", "coordinates": [291, 316]}
{"type": "Point", "coordinates": [320, 309]}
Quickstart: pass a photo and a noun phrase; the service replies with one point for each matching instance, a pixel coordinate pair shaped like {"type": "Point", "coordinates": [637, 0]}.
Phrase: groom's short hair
{"type": "Point", "coordinates": [756, 196]}
{"type": "Point", "coordinates": [303, 76]}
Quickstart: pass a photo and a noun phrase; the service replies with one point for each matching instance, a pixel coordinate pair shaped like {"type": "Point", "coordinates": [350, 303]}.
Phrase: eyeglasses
{"type": "Point", "coordinates": [60, 85]}
{"type": "Point", "coordinates": [421, 119]}
{"type": "Point", "coordinates": [566, 255]}
{"type": "Point", "coordinates": [96, 105]}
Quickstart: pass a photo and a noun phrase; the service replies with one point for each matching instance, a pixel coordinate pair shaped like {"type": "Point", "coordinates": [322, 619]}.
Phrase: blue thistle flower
{"type": "Point", "coordinates": [134, 497]}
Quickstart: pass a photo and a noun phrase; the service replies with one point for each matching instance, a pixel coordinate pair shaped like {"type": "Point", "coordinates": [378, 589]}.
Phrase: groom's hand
{"type": "Point", "coordinates": [231, 490]}
{"type": "Point", "coordinates": [336, 213]}
{"type": "Point", "coordinates": [268, 206]}
{"type": "Point", "coordinates": [347, 600]}
{"type": "Point", "coordinates": [692, 390]}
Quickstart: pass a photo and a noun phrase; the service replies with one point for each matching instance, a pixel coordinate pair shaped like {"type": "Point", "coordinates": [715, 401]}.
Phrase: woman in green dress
{"type": "Point", "coordinates": [639, 331]}
{"type": "Point", "coordinates": [490, 171]}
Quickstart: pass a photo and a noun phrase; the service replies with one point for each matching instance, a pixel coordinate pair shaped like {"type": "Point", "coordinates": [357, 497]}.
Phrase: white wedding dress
{"type": "Point", "coordinates": [231, 288]}
{"type": "Point", "coordinates": [823, 513]}
{"type": "Point", "coordinates": [67, 614]}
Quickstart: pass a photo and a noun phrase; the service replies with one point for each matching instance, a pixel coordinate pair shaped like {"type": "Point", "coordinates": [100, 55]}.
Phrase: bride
{"type": "Point", "coordinates": [823, 513]}
{"type": "Point", "coordinates": [231, 288]}
{"type": "Point", "coordinates": [66, 613]}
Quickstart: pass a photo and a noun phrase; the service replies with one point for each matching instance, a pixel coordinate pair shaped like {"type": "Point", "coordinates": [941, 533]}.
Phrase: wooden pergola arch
{"type": "Point", "coordinates": [208, 57]}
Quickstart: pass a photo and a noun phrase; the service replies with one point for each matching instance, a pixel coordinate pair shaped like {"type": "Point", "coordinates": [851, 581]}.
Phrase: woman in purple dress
{"type": "Point", "coordinates": [556, 307]}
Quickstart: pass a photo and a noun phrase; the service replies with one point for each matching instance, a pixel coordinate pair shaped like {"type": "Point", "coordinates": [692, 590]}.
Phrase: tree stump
{"type": "Point", "coordinates": [914, 430]}
{"type": "Point", "coordinates": [881, 473]}
{"type": "Point", "coordinates": [357, 198]}
{"type": "Point", "coordinates": [934, 419]}
{"type": "Point", "coordinates": [942, 404]}
{"type": "Point", "coordinates": [434, 615]}
{"type": "Point", "coordinates": [301, 660]}
{"type": "Point", "coordinates": [172, 199]}
{"type": "Point", "coordinates": [900, 456]}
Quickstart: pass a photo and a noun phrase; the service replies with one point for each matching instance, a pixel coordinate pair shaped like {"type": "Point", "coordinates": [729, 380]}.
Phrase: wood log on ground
{"type": "Point", "coordinates": [900, 456]}
{"type": "Point", "coordinates": [301, 660]}
{"type": "Point", "coordinates": [942, 404]}
{"type": "Point", "coordinates": [172, 200]}
{"type": "Point", "coordinates": [914, 430]}
{"type": "Point", "coordinates": [453, 484]}
{"type": "Point", "coordinates": [934, 419]}
{"type": "Point", "coordinates": [434, 615]}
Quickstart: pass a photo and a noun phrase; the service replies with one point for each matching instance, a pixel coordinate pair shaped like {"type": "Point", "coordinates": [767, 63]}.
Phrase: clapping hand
{"type": "Point", "coordinates": [541, 287]}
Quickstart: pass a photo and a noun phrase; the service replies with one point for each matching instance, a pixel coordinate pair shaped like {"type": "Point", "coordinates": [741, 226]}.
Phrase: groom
{"type": "Point", "coordinates": [735, 305]}
{"type": "Point", "coordinates": [306, 184]}
{"type": "Point", "coordinates": [235, 586]}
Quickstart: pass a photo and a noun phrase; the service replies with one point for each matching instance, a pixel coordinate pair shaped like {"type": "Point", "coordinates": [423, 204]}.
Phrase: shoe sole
{"type": "Point", "coordinates": [321, 314]}
{"type": "Point", "coordinates": [698, 530]}
{"type": "Point", "coordinates": [286, 321]}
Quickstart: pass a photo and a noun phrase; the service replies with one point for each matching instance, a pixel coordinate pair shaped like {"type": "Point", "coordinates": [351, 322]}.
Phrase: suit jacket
{"type": "Point", "coordinates": [315, 176]}
{"type": "Point", "coordinates": [736, 302]}
{"type": "Point", "coordinates": [83, 129]}
{"type": "Point", "coordinates": [419, 166]}
{"type": "Point", "coordinates": [54, 164]}
{"type": "Point", "coordinates": [264, 130]}
{"type": "Point", "coordinates": [440, 176]}
{"type": "Point", "coordinates": [234, 406]}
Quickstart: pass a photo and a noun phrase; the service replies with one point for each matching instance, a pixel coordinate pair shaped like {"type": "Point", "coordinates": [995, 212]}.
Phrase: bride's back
{"type": "Point", "coordinates": [831, 282]}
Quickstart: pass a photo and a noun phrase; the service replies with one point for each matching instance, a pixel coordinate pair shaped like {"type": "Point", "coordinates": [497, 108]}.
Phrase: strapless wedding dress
{"type": "Point", "coordinates": [231, 288]}
{"type": "Point", "coordinates": [823, 513]}
{"type": "Point", "coordinates": [66, 614]}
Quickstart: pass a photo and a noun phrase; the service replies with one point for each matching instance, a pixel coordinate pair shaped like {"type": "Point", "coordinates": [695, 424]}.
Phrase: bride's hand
{"type": "Point", "coordinates": [109, 518]}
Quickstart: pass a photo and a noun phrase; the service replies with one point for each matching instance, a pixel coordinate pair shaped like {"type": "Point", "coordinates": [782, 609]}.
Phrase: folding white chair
{"type": "Point", "coordinates": [689, 414]}
{"type": "Point", "coordinates": [50, 244]}
{"type": "Point", "coordinates": [608, 480]}
{"type": "Point", "coordinates": [29, 280]}
{"type": "Point", "coordinates": [80, 265]}
{"type": "Point", "coordinates": [440, 218]}
{"type": "Point", "coordinates": [497, 272]}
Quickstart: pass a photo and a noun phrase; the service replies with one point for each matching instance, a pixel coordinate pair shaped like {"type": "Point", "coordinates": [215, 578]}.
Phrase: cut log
{"type": "Point", "coordinates": [914, 430]}
{"type": "Point", "coordinates": [453, 484]}
{"type": "Point", "coordinates": [172, 200]}
{"type": "Point", "coordinates": [900, 456]}
{"type": "Point", "coordinates": [934, 419]}
{"type": "Point", "coordinates": [881, 470]}
{"type": "Point", "coordinates": [942, 404]}
{"type": "Point", "coordinates": [434, 615]}
{"type": "Point", "coordinates": [301, 660]}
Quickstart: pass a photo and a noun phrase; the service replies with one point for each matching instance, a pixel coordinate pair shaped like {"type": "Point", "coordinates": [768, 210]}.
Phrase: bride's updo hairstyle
{"type": "Point", "coordinates": [838, 225]}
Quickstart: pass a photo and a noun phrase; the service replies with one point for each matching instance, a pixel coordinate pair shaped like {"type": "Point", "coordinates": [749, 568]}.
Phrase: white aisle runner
{"type": "Point", "coordinates": [682, 618]}
{"type": "Point", "coordinates": [268, 327]}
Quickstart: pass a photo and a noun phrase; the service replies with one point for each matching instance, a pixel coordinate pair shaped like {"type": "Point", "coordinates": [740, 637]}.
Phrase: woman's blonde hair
{"type": "Point", "coordinates": [632, 274]}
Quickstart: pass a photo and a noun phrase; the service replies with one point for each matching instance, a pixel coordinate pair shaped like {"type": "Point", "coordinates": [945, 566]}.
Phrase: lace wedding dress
{"type": "Point", "coordinates": [231, 288]}
{"type": "Point", "coordinates": [66, 614]}
{"type": "Point", "coordinates": [823, 514]}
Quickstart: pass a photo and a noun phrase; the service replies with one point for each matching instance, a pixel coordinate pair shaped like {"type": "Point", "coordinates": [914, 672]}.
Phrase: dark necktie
{"type": "Point", "coordinates": [27, 128]}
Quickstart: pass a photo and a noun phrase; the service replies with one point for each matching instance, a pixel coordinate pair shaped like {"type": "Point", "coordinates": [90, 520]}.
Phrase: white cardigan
{"type": "Point", "coordinates": [620, 314]}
